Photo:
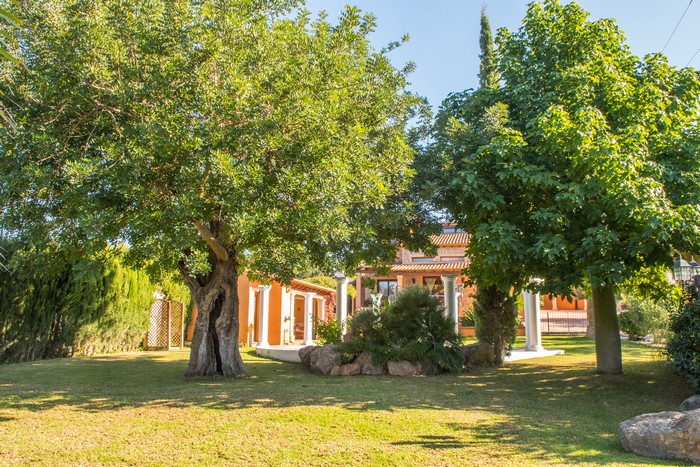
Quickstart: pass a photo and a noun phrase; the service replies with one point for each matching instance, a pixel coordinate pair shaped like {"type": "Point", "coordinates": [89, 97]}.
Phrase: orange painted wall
{"type": "Point", "coordinates": [274, 326]}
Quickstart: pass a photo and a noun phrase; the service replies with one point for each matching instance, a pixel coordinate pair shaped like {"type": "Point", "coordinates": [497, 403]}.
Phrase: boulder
{"type": "Point", "coordinates": [691, 403]}
{"type": "Point", "coordinates": [323, 359]}
{"type": "Point", "coordinates": [336, 370]}
{"type": "Point", "coordinates": [478, 354]}
{"type": "Point", "coordinates": [350, 369]}
{"type": "Point", "coordinates": [667, 435]}
{"type": "Point", "coordinates": [427, 367]}
{"type": "Point", "coordinates": [366, 362]}
{"type": "Point", "coordinates": [401, 368]}
{"type": "Point", "coordinates": [305, 354]}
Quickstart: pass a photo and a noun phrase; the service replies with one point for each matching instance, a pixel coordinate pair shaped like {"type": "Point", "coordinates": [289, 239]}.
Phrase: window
{"type": "Point", "coordinates": [387, 288]}
{"type": "Point", "coordinates": [452, 258]}
{"type": "Point", "coordinates": [452, 229]}
{"type": "Point", "coordinates": [434, 284]}
{"type": "Point", "coordinates": [422, 259]}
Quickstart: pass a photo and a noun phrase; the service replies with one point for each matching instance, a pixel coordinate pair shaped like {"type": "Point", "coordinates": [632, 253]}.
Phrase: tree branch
{"type": "Point", "coordinates": [215, 246]}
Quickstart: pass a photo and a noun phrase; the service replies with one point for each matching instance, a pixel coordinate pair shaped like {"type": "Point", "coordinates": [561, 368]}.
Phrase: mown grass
{"type": "Point", "coordinates": [138, 409]}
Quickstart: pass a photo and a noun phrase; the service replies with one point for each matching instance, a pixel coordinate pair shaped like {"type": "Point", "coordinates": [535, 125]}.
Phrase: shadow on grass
{"type": "Point", "coordinates": [561, 409]}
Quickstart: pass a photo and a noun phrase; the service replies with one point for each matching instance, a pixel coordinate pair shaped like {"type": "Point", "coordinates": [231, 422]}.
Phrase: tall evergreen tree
{"type": "Point", "coordinates": [488, 69]}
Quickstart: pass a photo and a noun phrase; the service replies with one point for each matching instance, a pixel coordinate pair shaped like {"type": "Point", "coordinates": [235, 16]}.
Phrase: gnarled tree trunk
{"type": "Point", "coordinates": [608, 350]}
{"type": "Point", "coordinates": [215, 348]}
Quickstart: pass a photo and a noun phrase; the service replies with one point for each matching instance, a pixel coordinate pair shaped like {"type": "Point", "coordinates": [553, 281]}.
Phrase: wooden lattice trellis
{"type": "Point", "coordinates": [167, 325]}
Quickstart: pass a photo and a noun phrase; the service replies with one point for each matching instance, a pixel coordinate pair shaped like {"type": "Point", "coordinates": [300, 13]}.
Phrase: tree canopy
{"type": "Point", "coordinates": [582, 167]}
{"type": "Point", "coordinates": [215, 136]}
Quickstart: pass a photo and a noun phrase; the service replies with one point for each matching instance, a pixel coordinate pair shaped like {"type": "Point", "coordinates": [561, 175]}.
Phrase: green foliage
{"type": "Point", "coordinates": [496, 319]}
{"type": "Point", "coordinates": [468, 318]}
{"type": "Point", "coordinates": [646, 316]}
{"type": "Point", "coordinates": [488, 72]}
{"type": "Point", "coordinates": [53, 307]}
{"type": "Point", "coordinates": [684, 346]}
{"type": "Point", "coordinates": [412, 328]}
{"type": "Point", "coordinates": [324, 281]}
{"type": "Point", "coordinates": [328, 332]}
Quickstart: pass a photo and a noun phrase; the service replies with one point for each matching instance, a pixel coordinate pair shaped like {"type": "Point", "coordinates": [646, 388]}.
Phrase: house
{"type": "Point", "coordinates": [278, 314]}
{"type": "Point", "coordinates": [415, 268]}
{"type": "Point", "coordinates": [445, 269]}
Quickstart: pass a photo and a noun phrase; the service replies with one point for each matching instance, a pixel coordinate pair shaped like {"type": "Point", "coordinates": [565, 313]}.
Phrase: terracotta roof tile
{"type": "Point", "coordinates": [435, 267]}
{"type": "Point", "coordinates": [299, 284]}
{"type": "Point", "coordinates": [461, 239]}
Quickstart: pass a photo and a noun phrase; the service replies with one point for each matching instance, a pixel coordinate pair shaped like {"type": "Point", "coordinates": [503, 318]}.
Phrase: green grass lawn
{"type": "Point", "coordinates": [137, 408]}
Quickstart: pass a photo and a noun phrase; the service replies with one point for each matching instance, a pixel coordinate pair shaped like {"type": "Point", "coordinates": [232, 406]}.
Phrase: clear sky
{"type": "Point", "coordinates": [445, 33]}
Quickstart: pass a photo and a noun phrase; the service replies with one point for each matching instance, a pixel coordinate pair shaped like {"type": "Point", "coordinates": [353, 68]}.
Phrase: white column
{"type": "Point", "coordinates": [264, 315]}
{"type": "Point", "coordinates": [323, 310]}
{"type": "Point", "coordinates": [534, 323]}
{"type": "Point", "coordinates": [308, 318]}
{"type": "Point", "coordinates": [554, 303]}
{"type": "Point", "coordinates": [526, 313]}
{"type": "Point", "coordinates": [341, 300]}
{"type": "Point", "coordinates": [250, 322]}
{"type": "Point", "coordinates": [448, 283]}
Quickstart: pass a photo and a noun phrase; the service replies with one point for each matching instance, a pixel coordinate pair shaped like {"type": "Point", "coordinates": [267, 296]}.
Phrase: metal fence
{"type": "Point", "coordinates": [563, 322]}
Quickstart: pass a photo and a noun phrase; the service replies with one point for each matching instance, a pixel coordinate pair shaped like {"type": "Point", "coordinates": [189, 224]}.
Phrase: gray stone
{"type": "Point", "coordinates": [478, 354]}
{"type": "Point", "coordinates": [366, 361]}
{"type": "Point", "coordinates": [667, 435]}
{"type": "Point", "coordinates": [350, 369]}
{"type": "Point", "coordinates": [323, 359]}
{"type": "Point", "coordinates": [427, 367]}
{"type": "Point", "coordinates": [305, 354]}
{"type": "Point", "coordinates": [691, 403]}
{"type": "Point", "coordinates": [336, 370]}
{"type": "Point", "coordinates": [401, 368]}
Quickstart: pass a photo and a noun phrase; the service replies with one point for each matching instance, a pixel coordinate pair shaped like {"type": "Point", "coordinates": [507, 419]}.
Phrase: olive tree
{"type": "Point", "coordinates": [215, 137]}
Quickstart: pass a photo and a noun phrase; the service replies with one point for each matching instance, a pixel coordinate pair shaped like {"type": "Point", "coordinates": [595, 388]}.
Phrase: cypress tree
{"type": "Point", "coordinates": [488, 72]}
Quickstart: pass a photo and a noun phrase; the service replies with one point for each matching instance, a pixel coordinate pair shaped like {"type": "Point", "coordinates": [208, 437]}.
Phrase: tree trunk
{"type": "Point", "coordinates": [215, 348]}
{"type": "Point", "coordinates": [590, 314]}
{"type": "Point", "coordinates": [607, 333]}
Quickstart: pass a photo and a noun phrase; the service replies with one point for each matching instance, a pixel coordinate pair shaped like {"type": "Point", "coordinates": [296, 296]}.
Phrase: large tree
{"type": "Point", "coordinates": [220, 137]}
{"type": "Point", "coordinates": [465, 121]}
{"type": "Point", "coordinates": [594, 171]}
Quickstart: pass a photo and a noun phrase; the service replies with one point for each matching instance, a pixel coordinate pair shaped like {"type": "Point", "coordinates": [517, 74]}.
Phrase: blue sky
{"type": "Point", "coordinates": [445, 33]}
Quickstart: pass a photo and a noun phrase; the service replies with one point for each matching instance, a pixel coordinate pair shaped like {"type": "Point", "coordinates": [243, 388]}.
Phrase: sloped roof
{"type": "Point", "coordinates": [451, 239]}
{"type": "Point", "coordinates": [304, 286]}
{"type": "Point", "coordinates": [455, 266]}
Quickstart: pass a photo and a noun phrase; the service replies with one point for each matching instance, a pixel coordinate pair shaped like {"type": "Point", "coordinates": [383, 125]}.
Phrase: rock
{"type": "Point", "coordinates": [667, 435]}
{"type": "Point", "coordinates": [366, 362]}
{"type": "Point", "coordinates": [350, 369]}
{"type": "Point", "coordinates": [305, 354]}
{"type": "Point", "coordinates": [323, 359]}
{"type": "Point", "coordinates": [427, 367]}
{"type": "Point", "coordinates": [336, 370]}
{"type": "Point", "coordinates": [691, 403]}
{"type": "Point", "coordinates": [401, 368]}
{"type": "Point", "coordinates": [478, 354]}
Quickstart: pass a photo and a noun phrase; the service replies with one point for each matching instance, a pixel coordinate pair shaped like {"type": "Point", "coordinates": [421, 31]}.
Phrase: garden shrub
{"type": "Point", "coordinates": [684, 345]}
{"type": "Point", "coordinates": [644, 317]}
{"type": "Point", "coordinates": [412, 328]}
{"type": "Point", "coordinates": [328, 332]}
{"type": "Point", "coordinates": [52, 306]}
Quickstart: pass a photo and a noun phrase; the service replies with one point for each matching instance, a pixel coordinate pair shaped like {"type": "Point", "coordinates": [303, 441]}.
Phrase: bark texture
{"type": "Point", "coordinates": [215, 350]}
{"type": "Point", "coordinates": [607, 332]}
